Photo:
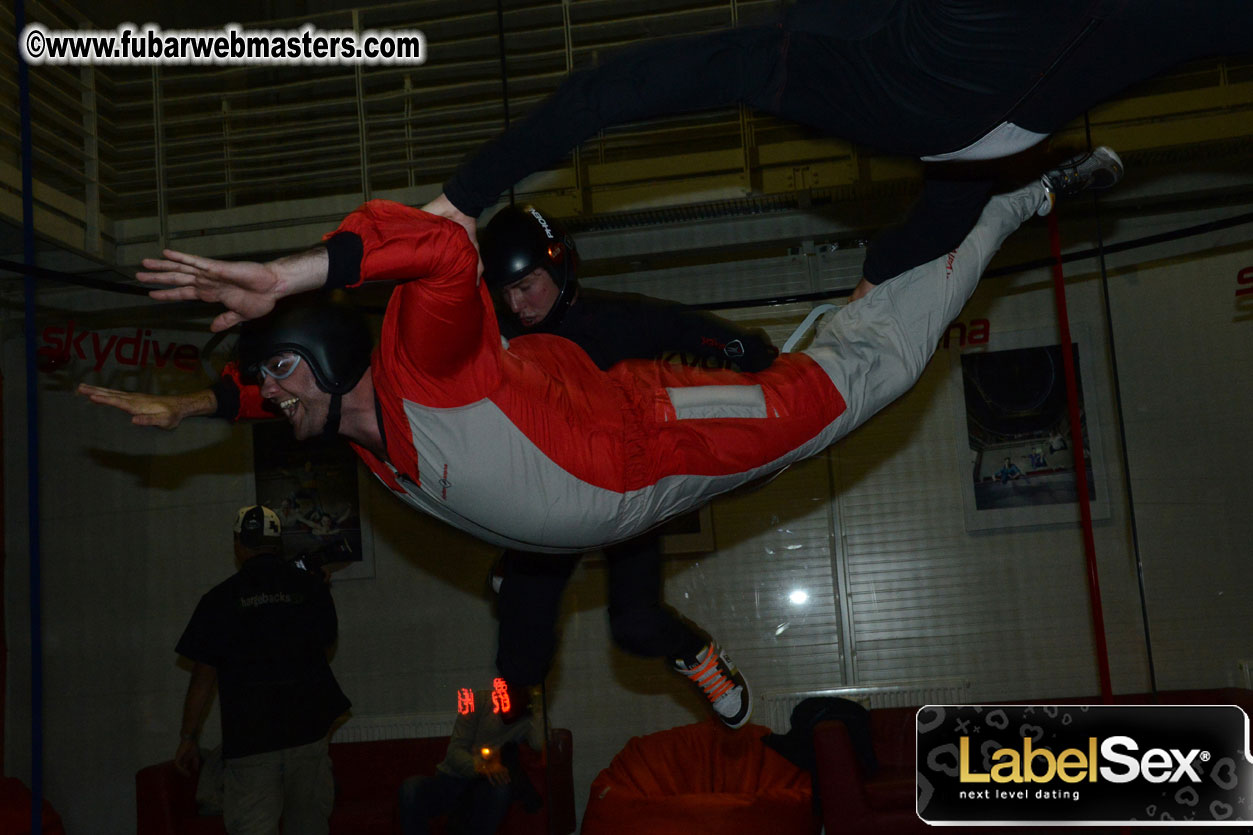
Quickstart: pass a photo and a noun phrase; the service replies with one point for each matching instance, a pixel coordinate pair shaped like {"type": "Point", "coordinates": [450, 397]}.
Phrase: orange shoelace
{"type": "Point", "coordinates": [713, 681]}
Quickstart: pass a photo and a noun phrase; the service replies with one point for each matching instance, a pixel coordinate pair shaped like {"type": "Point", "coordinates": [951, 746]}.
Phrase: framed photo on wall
{"type": "Point", "coordinates": [313, 488]}
{"type": "Point", "coordinates": [686, 535]}
{"type": "Point", "coordinates": [691, 533]}
{"type": "Point", "coordinates": [1016, 442]}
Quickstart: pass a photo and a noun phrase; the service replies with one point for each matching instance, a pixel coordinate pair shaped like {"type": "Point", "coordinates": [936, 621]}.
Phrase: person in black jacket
{"type": "Point", "coordinates": [262, 636]}
{"type": "Point", "coordinates": [531, 265]}
{"type": "Point", "coordinates": [958, 83]}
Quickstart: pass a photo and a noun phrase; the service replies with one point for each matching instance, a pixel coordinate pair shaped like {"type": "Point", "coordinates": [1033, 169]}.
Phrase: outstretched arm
{"type": "Point", "coordinates": [230, 398]}
{"type": "Point", "coordinates": [953, 197]}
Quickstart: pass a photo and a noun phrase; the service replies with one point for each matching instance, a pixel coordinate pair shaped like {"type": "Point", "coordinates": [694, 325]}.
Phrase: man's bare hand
{"type": "Point", "coordinates": [492, 769]}
{"type": "Point", "coordinates": [247, 289]}
{"type": "Point", "coordinates": [863, 287]}
{"type": "Point", "coordinates": [165, 411]}
{"type": "Point", "coordinates": [187, 757]}
{"type": "Point", "coordinates": [443, 207]}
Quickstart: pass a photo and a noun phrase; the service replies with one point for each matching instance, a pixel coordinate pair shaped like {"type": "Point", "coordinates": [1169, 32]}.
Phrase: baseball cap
{"type": "Point", "coordinates": [255, 524]}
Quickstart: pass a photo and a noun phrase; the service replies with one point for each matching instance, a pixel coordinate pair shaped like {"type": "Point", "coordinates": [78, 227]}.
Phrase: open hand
{"type": "Point", "coordinates": [863, 287]}
{"type": "Point", "coordinates": [247, 289]}
{"type": "Point", "coordinates": [443, 207]}
{"type": "Point", "coordinates": [492, 769]}
{"type": "Point", "coordinates": [165, 411]}
{"type": "Point", "coordinates": [187, 757]}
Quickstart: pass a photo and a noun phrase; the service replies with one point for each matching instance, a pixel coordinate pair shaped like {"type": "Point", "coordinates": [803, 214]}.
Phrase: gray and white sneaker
{"type": "Point", "coordinates": [715, 674]}
{"type": "Point", "coordinates": [1099, 168]}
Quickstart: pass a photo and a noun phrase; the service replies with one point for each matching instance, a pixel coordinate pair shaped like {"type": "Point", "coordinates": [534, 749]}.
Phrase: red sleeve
{"type": "Point", "coordinates": [251, 405]}
{"type": "Point", "coordinates": [441, 322]}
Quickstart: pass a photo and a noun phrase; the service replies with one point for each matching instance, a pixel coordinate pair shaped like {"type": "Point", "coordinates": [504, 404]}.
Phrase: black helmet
{"type": "Point", "coordinates": [332, 336]}
{"type": "Point", "coordinates": [517, 241]}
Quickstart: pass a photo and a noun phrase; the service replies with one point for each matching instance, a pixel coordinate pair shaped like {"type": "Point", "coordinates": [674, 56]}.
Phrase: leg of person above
{"type": "Point", "coordinates": [657, 78]}
{"type": "Point", "coordinates": [643, 625]}
{"type": "Point", "coordinates": [1129, 43]}
{"type": "Point", "coordinates": [876, 348]}
{"type": "Point", "coordinates": [715, 674]}
{"type": "Point", "coordinates": [1100, 168]}
{"type": "Point", "coordinates": [953, 196]}
{"type": "Point", "coordinates": [639, 621]}
{"type": "Point", "coordinates": [528, 607]}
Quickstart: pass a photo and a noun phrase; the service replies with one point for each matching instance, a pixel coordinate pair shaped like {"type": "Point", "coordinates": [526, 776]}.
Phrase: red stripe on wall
{"type": "Point", "coordinates": [4, 640]}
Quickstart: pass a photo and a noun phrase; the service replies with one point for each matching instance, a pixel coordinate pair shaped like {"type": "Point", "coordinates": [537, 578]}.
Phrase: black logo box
{"type": "Point", "coordinates": [1210, 740]}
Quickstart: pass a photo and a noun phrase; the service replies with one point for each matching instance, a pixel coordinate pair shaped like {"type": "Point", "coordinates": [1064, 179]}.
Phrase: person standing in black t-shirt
{"type": "Point", "coordinates": [263, 637]}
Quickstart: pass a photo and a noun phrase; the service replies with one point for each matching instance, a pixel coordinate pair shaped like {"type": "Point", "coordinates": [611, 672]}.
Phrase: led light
{"type": "Point", "coordinates": [500, 696]}
{"type": "Point", "coordinates": [798, 596]}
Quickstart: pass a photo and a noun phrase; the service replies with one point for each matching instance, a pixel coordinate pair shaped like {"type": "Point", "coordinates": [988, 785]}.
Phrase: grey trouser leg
{"type": "Point", "coordinates": [876, 348]}
{"type": "Point", "coordinates": [308, 789]}
{"type": "Point", "coordinates": [294, 784]}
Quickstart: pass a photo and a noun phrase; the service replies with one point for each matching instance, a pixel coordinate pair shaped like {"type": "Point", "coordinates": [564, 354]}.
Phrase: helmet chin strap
{"type": "Point", "coordinates": [565, 297]}
{"type": "Point", "coordinates": [331, 429]}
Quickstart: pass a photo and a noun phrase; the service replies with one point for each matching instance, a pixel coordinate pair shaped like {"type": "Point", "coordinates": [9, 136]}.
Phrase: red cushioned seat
{"type": "Point", "coordinates": [700, 779]}
{"type": "Point", "coordinates": [15, 803]}
{"type": "Point", "coordinates": [367, 778]}
{"type": "Point", "coordinates": [893, 788]}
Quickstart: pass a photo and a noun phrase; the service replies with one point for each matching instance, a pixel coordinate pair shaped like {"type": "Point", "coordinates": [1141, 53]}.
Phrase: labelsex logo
{"type": "Point", "coordinates": [1039, 765]}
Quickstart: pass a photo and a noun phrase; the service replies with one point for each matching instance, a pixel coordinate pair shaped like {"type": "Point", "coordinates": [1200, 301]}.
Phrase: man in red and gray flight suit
{"type": "Point", "coordinates": [528, 444]}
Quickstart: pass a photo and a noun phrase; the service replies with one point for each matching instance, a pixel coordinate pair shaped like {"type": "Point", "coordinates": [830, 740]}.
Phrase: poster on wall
{"type": "Point", "coordinates": [691, 533]}
{"type": "Point", "coordinates": [313, 487]}
{"type": "Point", "coordinates": [1016, 437]}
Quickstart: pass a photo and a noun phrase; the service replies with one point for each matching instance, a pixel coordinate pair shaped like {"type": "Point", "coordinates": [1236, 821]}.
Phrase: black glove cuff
{"type": "Point", "coordinates": [227, 394]}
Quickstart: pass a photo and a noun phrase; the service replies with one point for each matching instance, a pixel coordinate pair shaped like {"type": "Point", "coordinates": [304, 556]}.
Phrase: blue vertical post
{"type": "Point", "coordinates": [32, 439]}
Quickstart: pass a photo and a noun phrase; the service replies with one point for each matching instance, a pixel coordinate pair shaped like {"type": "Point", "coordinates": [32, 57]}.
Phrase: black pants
{"type": "Point", "coordinates": [530, 604]}
{"type": "Point", "coordinates": [1121, 43]}
{"type": "Point", "coordinates": [911, 77]}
